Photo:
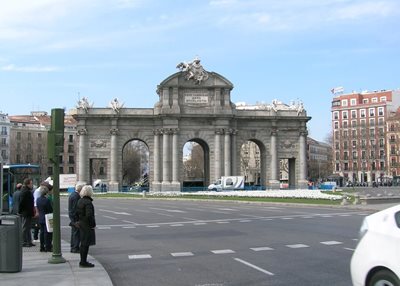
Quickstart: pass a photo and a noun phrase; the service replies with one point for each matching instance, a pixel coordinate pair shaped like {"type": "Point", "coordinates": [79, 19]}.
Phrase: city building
{"type": "Point", "coordinates": [319, 160]}
{"type": "Point", "coordinates": [393, 146]}
{"type": "Point", "coordinates": [359, 135]}
{"type": "Point", "coordinates": [28, 142]}
{"type": "Point", "coordinates": [4, 138]}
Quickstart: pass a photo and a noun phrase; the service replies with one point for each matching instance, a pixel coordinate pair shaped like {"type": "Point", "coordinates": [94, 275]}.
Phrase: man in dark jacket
{"type": "Point", "coordinates": [16, 199]}
{"type": "Point", "coordinates": [72, 202]}
{"type": "Point", "coordinates": [26, 211]}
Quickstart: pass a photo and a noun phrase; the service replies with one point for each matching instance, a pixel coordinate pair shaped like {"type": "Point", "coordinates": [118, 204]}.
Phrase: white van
{"type": "Point", "coordinates": [228, 183]}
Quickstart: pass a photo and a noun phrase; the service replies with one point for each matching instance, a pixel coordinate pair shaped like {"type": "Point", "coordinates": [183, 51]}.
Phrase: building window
{"type": "Point", "coordinates": [374, 100]}
{"type": "Point", "coordinates": [345, 133]}
{"type": "Point", "coordinates": [345, 124]}
{"type": "Point", "coordinates": [337, 155]}
{"type": "Point", "coordinates": [353, 123]}
{"type": "Point", "coordinates": [363, 155]}
{"type": "Point", "coordinates": [381, 121]}
{"type": "Point", "coordinates": [346, 166]}
{"type": "Point", "coordinates": [70, 148]}
{"type": "Point", "coordinates": [336, 125]}
{"type": "Point", "coordinates": [353, 101]}
{"type": "Point", "coordinates": [380, 111]}
{"type": "Point", "coordinates": [71, 170]}
{"type": "Point", "coordinates": [337, 167]}
{"type": "Point", "coordinates": [344, 115]}
{"type": "Point", "coordinates": [371, 111]}
{"type": "Point", "coordinates": [372, 132]}
{"type": "Point", "coordinates": [354, 143]}
{"type": "Point", "coordinates": [365, 100]}
{"type": "Point", "coordinates": [354, 133]}
{"type": "Point", "coordinates": [344, 102]}
{"type": "Point", "coordinates": [29, 136]}
{"type": "Point", "coordinates": [354, 154]}
{"type": "Point", "coordinates": [371, 121]}
{"type": "Point", "coordinates": [18, 135]}
{"type": "Point", "coordinates": [383, 98]}
{"type": "Point", "coordinates": [353, 114]}
{"type": "Point", "coordinates": [39, 136]}
{"type": "Point", "coordinates": [71, 160]}
{"type": "Point", "coordinates": [345, 156]}
{"type": "Point", "coordinates": [362, 112]}
{"type": "Point", "coordinates": [71, 138]}
{"type": "Point", "coordinates": [336, 115]}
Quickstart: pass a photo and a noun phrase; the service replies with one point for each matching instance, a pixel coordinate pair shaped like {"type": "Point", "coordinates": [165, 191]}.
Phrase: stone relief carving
{"type": "Point", "coordinates": [98, 143]}
{"type": "Point", "coordinates": [275, 105]}
{"type": "Point", "coordinates": [287, 144]}
{"type": "Point", "coordinates": [193, 71]}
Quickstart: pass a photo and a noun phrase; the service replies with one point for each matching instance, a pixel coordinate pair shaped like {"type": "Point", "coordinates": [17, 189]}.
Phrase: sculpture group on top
{"type": "Point", "coordinates": [193, 71]}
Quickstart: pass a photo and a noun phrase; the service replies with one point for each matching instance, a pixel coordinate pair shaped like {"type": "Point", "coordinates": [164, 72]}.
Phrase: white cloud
{"type": "Point", "coordinates": [28, 69]}
{"type": "Point", "coordinates": [366, 9]}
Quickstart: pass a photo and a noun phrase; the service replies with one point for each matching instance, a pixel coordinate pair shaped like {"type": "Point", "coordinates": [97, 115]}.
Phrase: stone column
{"type": "Point", "coordinates": [166, 178]}
{"type": "Point", "coordinates": [113, 184]}
{"type": "Point", "coordinates": [302, 178]}
{"type": "Point", "coordinates": [217, 154]}
{"type": "Point", "coordinates": [175, 161]}
{"type": "Point", "coordinates": [234, 153]}
{"type": "Point", "coordinates": [156, 186]}
{"type": "Point", "coordinates": [227, 153]}
{"type": "Point", "coordinates": [274, 179]}
{"type": "Point", "coordinates": [82, 163]}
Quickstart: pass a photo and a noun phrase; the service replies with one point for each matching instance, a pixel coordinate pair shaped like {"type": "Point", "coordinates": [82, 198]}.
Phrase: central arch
{"type": "Point", "coordinates": [202, 161]}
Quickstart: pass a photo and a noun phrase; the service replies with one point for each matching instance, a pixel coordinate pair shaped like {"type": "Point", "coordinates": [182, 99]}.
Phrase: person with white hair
{"type": "Point", "coordinates": [72, 202]}
{"type": "Point", "coordinates": [86, 224]}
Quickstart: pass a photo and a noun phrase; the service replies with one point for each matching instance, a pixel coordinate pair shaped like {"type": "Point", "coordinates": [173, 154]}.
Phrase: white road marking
{"type": "Point", "coordinates": [254, 266]}
{"type": "Point", "coordinates": [222, 251]}
{"type": "Point", "coordinates": [344, 215]}
{"type": "Point", "coordinates": [221, 222]}
{"type": "Point", "coordinates": [177, 224]}
{"type": "Point", "coordinates": [263, 248]}
{"type": "Point", "coordinates": [287, 218]}
{"type": "Point", "coordinates": [307, 217]}
{"type": "Point", "coordinates": [326, 216]}
{"type": "Point", "coordinates": [103, 227]}
{"type": "Point", "coordinates": [152, 226]}
{"type": "Point", "coordinates": [297, 246]}
{"type": "Point", "coordinates": [118, 213]}
{"type": "Point", "coordinates": [168, 210]}
{"type": "Point", "coordinates": [110, 217]}
{"type": "Point", "coordinates": [128, 221]}
{"type": "Point", "coordinates": [129, 227]}
{"type": "Point", "coordinates": [182, 254]}
{"type": "Point", "coordinates": [245, 220]}
{"type": "Point", "coordinates": [199, 223]}
{"type": "Point", "coordinates": [139, 256]}
{"type": "Point", "coordinates": [351, 249]}
{"type": "Point", "coordinates": [332, 242]}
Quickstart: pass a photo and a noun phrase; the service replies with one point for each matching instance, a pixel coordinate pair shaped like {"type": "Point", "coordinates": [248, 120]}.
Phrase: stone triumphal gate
{"type": "Point", "coordinates": [194, 106]}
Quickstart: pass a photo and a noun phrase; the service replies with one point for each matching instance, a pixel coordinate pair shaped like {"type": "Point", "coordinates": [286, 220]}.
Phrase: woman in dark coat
{"type": "Point", "coordinates": [86, 224]}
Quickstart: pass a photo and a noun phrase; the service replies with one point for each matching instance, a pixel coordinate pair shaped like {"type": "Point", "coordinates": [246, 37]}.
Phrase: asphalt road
{"type": "Point", "coordinates": [167, 242]}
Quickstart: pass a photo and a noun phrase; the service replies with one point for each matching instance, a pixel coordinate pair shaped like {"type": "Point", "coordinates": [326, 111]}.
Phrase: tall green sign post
{"type": "Point", "coordinates": [55, 146]}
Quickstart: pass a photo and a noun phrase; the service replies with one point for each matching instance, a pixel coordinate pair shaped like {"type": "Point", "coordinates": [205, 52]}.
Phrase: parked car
{"type": "Point", "coordinates": [376, 259]}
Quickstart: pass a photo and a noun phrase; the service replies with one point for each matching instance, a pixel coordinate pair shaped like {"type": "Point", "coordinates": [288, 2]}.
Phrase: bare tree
{"type": "Point", "coordinates": [135, 160]}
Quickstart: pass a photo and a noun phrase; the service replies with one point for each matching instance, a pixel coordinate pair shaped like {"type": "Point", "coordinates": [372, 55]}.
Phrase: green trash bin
{"type": "Point", "coordinates": [10, 243]}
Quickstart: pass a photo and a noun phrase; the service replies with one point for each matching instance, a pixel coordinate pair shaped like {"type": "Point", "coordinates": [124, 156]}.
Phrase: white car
{"type": "Point", "coordinates": [376, 260]}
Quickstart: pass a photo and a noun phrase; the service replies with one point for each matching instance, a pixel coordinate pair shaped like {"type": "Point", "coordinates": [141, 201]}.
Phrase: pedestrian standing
{"type": "Point", "coordinates": [86, 224]}
{"type": "Point", "coordinates": [26, 210]}
{"type": "Point", "coordinates": [72, 203]}
{"type": "Point", "coordinates": [44, 207]}
{"type": "Point", "coordinates": [16, 199]}
{"type": "Point", "coordinates": [35, 221]}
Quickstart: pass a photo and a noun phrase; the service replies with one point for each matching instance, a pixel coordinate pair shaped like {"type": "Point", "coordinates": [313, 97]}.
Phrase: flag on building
{"type": "Point", "coordinates": [338, 89]}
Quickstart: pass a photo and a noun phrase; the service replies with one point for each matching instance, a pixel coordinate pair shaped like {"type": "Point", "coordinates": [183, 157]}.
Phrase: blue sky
{"type": "Point", "coordinates": [54, 51]}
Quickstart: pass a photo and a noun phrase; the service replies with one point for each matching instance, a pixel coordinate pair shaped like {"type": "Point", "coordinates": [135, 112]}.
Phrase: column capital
{"type": "Point", "coordinates": [157, 131]}
{"type": "Point", "coordinates": [274, 131]}
{"type": "Point", "coordinates": [82, 131]}
{"type": "Point", "coordinates": [114, 131]}
{"type": "Point", "coordinates": [233, 131]}
{"type": "Point", "coordinates": [303, 133]}
{"type": "Point", "coordinates": [219, 131]}
{"type": "Point", "coordinates": [167, 131]}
